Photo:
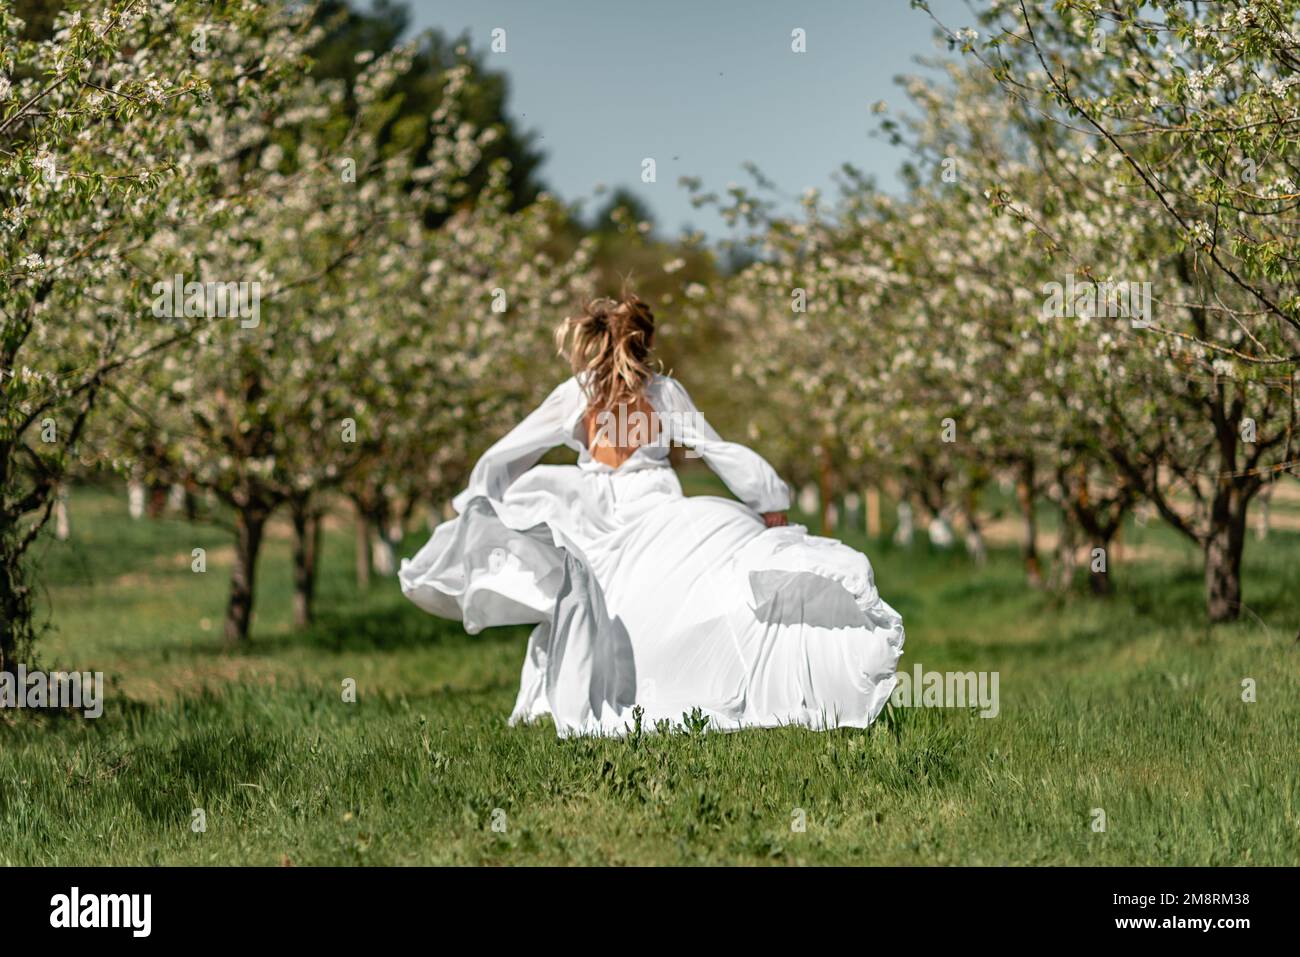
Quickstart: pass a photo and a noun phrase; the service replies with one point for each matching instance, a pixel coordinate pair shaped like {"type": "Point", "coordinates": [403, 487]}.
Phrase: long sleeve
{"type": "Point", "coordinates": [518, 451]}
{"type": "Point", "coordinates": [748, 475]}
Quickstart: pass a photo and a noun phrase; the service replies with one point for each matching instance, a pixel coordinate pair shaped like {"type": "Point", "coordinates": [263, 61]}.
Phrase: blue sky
{"type": "Point", "coordinates": [701, 86]}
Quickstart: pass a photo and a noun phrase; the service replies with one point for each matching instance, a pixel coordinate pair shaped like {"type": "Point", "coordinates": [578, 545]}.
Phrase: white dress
{"type": "Point", "coordinates": [644, 597]}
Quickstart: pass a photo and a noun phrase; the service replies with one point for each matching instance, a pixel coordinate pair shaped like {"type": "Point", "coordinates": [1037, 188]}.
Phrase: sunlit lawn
{"type": "Point", "coordinates": [1131, 705]}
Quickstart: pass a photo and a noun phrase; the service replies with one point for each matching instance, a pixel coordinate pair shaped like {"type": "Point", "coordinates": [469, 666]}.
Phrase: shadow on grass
{"type": "Point", "coordinates": [1078, 642]}
{"type": "Point", "coordinates": [387, 628]}
{"type": "Point", "coordinates": [367, 625]}
{"type": "Point", "coordinates": [217, 765]}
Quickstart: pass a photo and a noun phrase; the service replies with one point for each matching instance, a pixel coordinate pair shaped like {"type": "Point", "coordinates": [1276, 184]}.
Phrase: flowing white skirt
{"type": "Point", "coordinates": [643, 597]}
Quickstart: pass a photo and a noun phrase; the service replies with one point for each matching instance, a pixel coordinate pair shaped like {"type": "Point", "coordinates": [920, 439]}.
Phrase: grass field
{"type": "Point", "coordinates": [1130, 704]}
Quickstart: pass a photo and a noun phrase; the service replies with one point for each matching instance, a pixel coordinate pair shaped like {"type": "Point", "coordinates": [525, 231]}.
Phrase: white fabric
{"type": "Point", "coordinates": [642, 596]}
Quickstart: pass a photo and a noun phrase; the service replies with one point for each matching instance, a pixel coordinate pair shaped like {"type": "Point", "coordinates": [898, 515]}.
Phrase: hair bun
{"type": "Point", "coordinates": [608, 343]}
{"type": "Point", "coordinates": [600, 312]}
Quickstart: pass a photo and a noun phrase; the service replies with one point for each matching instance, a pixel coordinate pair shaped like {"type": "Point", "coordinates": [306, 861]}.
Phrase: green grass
{"type": "Point", "coordinates": [1130, 704]}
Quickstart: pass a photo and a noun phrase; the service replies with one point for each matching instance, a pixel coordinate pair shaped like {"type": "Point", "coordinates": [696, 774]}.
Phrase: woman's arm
{"type": "Point", "coordinates": [748, 475]}
{"type": "Point", "coordinates": [518, 451]}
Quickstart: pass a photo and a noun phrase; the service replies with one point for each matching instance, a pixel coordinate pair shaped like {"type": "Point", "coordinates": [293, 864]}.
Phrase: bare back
{"type": "Point", "coordinates": [614, 435]}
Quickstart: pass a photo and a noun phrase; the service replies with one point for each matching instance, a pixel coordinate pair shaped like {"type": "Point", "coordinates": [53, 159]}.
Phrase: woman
{"type": "Point", "coordinates": [641, 596]}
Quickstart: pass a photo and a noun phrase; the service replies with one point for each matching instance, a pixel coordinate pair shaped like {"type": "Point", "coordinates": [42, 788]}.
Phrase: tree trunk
{"type": "Point", "coordinates": [872, 500]}
{"type": "Point", "coordinates": [249, 526]}
{"type": "Point", "coordinates": [62, 524]}
{"type": "Point", "coordinates": [306, 549]}
{"type": "Point", "coordinates": [1066, 557]}
{"type": "Point", "coordinates": [157, 500]}
{"type": "Point", "coordinates": [135, 498]}
{"type": "Point", "coordinates": [824, 476]}
{"type": "Point", "coordinates": [1029, 544]}
{"type": "Point", "coordinates": [383, 553]}
{"type": "Point", "coordinates": [939, 530]}
{"type": "Point", "coordinates": [175, 498]}
{"type": "Point", "coordinates": [1099, 580]}
{"type": "Point", "coordinates": [905, 530]}
{"type": "Point", "coordinates": [975, 544]}
{"type": "Point", "coordinates": [13, 611]}
{"type": "Point", "coordinates": [1265, 501]}
{"type": "Point", "coordinates": [362, 548]}
{"type": "Point", "coordinates": [1223, 550]}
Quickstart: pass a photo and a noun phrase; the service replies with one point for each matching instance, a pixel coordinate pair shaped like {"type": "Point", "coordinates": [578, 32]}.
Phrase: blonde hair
{"type": "Point", "coordinates": [608, 345]}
